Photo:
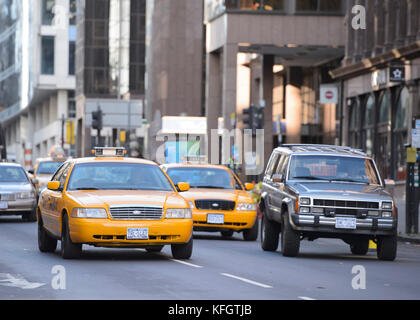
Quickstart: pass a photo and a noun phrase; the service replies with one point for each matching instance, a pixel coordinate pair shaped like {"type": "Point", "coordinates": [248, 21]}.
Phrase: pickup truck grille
{"type": "Point", "coordinates": [136, 213]}
{"type": "Point", "coordinates": [346, 204]}
{"type": "Point", "coordinates": [220, 205]}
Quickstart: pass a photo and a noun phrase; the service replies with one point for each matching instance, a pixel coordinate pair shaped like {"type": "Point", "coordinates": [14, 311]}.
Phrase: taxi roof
{"type": "Point", "coordinates": [191, 164]}
{"type": "Point", "coordinates": [112, 159]}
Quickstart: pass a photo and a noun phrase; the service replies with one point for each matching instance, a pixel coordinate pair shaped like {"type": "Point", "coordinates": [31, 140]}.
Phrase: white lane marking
{"type": "Point", "coordinates": [306, 298]}
{"type": "Point", "coordinates": [246, 280]}
{"type": "Point", "coordinates": [186, 263]}
{"type": "Point", "coordinates": [8, 280]}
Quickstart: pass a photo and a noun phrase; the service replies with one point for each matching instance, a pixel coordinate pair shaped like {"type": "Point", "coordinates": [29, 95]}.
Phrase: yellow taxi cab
{"type": "Point", "coordinates": [44, 169]}
{"type": "Point", "coordinates": [218, 199]}
{"type": "Point", "coordinates": [113, 201]}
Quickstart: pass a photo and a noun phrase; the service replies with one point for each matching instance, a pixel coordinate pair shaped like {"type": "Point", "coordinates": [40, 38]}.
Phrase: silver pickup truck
{"type": "Point", "coordinates": [321, 191]}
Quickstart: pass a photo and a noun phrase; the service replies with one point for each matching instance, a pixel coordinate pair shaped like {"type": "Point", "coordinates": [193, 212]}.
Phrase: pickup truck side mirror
{"type": "Point", "coordinates": [278, 178]}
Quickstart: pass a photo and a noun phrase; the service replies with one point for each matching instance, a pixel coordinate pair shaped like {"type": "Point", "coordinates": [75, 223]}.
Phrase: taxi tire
{"type": "Point", "coordinates": [45, 242]}
{"type": "Point", "coordinates": [290, 238]}
{"type": "Point", "coordinates": [252, 234]}
{"type": "Point", "coordinates": [387, 248]}
{"type": "Point", "coordinates": [269, 234]}
{"type": "Point", "coordinates": [182, 251]}
{"type": "Point", "coordinates": [69, 250]}
{"type": "Point", "coordinates": [154, 249]}
{"type": "Point", "coordinates": [227, 233]}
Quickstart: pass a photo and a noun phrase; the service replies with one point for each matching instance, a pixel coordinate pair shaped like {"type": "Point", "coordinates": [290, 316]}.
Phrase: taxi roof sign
{"type": "Point", "coordinates": [109, 152]}
{"type": "Point", "coordinates": [195, 159]}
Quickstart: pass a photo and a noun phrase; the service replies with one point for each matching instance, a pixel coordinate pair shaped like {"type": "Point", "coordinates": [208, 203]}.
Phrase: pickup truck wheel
{"type": "Point", "coordinates": [69, 250]}
{"type": "Point", "coordinates": [360, 246]}
{"type": "Point", "coordinates": [290, 239]}
{"type": "Point", "coordinates": [45, 242]}
{"type": "Point", "coordinates": [269, 234]}
{"type": "Point", "coordinates": [227, 233]}
{"type": "Point", "coordinates": [251, 234]}
{"type": "Point", "coordinates": [182, 251]}
{"type": "Point", "coordinates": [387, 248]}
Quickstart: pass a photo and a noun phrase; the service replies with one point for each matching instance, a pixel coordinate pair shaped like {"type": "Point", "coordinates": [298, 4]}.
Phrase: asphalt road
{"type": "Point", "coordinates": [218, 270]}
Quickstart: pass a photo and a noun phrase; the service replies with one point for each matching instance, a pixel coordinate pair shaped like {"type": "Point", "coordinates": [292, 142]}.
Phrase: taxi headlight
{"type": "Point", "coordinates": [178, 213]}
{"type": "Point", "coordinates": [94, 213]}
{"type": "Point", "coordinates": [25, 195]}
{"type": "Point", "coordinates": [246, 207]}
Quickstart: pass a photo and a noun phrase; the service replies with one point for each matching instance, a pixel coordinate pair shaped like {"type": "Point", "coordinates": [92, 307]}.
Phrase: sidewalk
{"type": "Point", "coordinates": [412, 238]}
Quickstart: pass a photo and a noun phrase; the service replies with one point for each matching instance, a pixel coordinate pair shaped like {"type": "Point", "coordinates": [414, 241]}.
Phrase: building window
{"type": "Point", "coordinates": [73, 11]}
{"type": "Point", "coordinates": [72, 57]}
{"type": "Point", "coordinates": [368, 127]}
{"type": "Point", "coordinates": [319, 5]}
{"type": "Point", "coordinates": [47, 55]}
{"type": "Point", "coordinates": [48, 12]}
{"type": "Point", "coordinates": [383, 143]}
{"type": "Point", "coordinates": [354, 130]}
{"type": "Point", "coordinates": [72, 105]}
{"type": "Point", "coordinates": [400, 134]}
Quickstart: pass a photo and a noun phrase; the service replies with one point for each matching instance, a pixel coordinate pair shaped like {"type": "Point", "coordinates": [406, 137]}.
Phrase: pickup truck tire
{"type": "Point", "coordinates": [251, 234]}
{"type": "Point", "coordinates": [360, 246]}
{"type": "Point", "coordinates": [269, 234]}
{"type": "Point", "coordinates": [182, 251]}
{"type": "Point", "coordinates": [45, 242]}
{"type": "Point", "coordinates": [290, 239]}
{"type": "Point", "coordinates": [69, 250]}
{"type": "Point", "coordinates": [387, 248]}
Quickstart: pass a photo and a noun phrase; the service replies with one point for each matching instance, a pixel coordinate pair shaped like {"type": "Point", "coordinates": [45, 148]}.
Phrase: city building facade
{"type": "Point", "coordinates": [110, 71]}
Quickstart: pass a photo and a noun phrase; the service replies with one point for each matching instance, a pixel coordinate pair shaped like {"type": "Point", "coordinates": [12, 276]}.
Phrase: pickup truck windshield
{"type": "Point", "coordinates": [333, 168]}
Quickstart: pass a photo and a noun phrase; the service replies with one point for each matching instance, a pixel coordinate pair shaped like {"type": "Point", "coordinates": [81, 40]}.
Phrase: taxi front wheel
{"type": "Point", "coordinates": [45, 242]}
{"type": "Point", "coordinates": [69, 250]}
{"type": "Point", "coordinates": [182, 251]}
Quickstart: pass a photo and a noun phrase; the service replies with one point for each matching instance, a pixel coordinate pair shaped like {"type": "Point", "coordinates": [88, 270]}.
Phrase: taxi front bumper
{"type": "Point", "coordinates": [107, 232]}
{"type": "Point", "coordinates": [233, 220]}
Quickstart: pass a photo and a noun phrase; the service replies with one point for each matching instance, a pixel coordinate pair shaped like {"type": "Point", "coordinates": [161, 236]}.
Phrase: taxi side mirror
{"type": "Point", "coordinates": [183, 186]}
{"type": "Point", "coordinates": [249, 186]}
{"type": "Point", "coordinates": [53, 185]}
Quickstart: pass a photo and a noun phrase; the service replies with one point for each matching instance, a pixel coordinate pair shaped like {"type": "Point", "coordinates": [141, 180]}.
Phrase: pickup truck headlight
{"type": "Point", "coordinates": [25, 195]}
{"type": "Point", "coordinates": [246, 207]}
{"type": "Point", "coordinates": [92, 213]}
{"type": "Point", "coordinates": [178, 213]}
{"type": "Point", "coordinates": [305, 201]}
{"type": "Point", "coordinates": [387, 205]}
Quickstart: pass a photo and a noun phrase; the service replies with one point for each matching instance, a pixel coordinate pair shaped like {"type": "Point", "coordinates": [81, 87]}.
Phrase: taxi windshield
{"type": "Point", "coordinates": [48, 167]}
{"type": "Point", "coordinates": [118, 176]}
{"type": "Point", "coordinates": [203, 177]}
{"type": "Point", "coordinates": [333, 168]}
{"type": "Point", "coordinates": [12, 174]}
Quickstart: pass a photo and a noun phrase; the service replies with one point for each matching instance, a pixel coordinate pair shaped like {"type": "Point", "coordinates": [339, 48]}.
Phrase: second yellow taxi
{"type": "Point", "coordinates": [218, 199]}
{"type": "Point", "coordinates": [113, 201]}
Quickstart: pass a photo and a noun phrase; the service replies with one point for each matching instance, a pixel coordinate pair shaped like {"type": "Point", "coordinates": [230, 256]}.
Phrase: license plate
{"type": "Point", "coordinates": [3, 205]}
{"type": "Point", "coordinates": [137, 233]}
{"type": "Point", "coordinates": [215, 219]}
{"type": "Point", "coordinates": [345, 223]}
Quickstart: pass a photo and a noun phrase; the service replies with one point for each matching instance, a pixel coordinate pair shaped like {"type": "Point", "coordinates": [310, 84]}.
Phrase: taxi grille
{"type": "Point", "coordinates": [209, 204]}
{"type": "Point", "coordinates": [136, 213]}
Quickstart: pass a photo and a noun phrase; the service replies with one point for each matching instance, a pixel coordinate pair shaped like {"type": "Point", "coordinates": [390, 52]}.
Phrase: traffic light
{"type": "Point", "coordinates": [248, 117]}
{"type": "Point", "coordinates": [97, 122]}
{"type": "Point", "coordinates": [259, 118]}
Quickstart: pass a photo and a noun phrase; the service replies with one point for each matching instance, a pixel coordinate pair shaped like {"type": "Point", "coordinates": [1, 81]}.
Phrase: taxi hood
{"type": "Point", "coordinates": [101, 198]}
{"type": "Point", "coordinates": [221, 194]}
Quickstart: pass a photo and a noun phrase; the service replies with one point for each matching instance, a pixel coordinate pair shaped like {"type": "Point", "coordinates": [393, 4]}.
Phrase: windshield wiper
{"type": "Point", "coordinates": [209, 187]}
{"type": "Point", "coordinates": [311, 178]}
{"type": "Point", "coordinates": [86, 188]}
{"type": "Point", "coordinates": [350, 180]}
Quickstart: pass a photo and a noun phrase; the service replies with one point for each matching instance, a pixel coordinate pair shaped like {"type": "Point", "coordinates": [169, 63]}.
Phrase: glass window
{"type": "Point", "coordinates": [12, 174]}
{"type": "Point", "coordinates": [400, 134]}
{"type": "Point", "coordinates": [272, 164]}
{"type": "Point", "coordinates": [73, 11]}
{"type": "Point", "coordinates": [273, 5]}
{"type": "Point", "coordinates": [118, 176]}
{"type": "Point", "coordinates": [72, 57]}
{"type": "Point", "coordinates": [354, 124]}
{"type": "Point", "coordinates": [333, 168]}
{"type": "Point", "coordinates": [199, 177]}
{"type": "Point", "coordinates": [48, 167]}
{"type": "Point", "coordinates": [48, 12]}
{"type": "Point", "coordinates": [368, 125]}
{"type": "Point", "coordinates": [319, 5]}
{"type": "Point", "coordinates": [47, 58]}
{"type": "Point", "coordinates": [384, 114]}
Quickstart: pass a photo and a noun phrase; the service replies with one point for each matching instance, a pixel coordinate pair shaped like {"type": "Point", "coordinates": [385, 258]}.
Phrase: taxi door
{"type": "Point", "coordinates": [52, 201]}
